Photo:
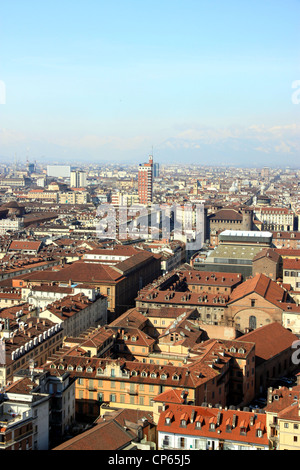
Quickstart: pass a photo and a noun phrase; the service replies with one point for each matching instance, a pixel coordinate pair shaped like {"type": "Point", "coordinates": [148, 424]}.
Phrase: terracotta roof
{"type": "Point", "coordinates": [220, 417]}
{"type": "Point", "coordinates": [227, 214]}
{"type": "Point", "coordinates": [261, 285]}
{"type": "Point", "coordinates": [270, 340]}
{"type": "Point", "coordinates": [132, 318]}
{"type": "Point", "coordinates": [25, 245]}
{"type": "Point", "coordinates": [104, 436]}
{"type": "Point", "coordinates": [291, 264]}
{"type": "Point", "coordinates": [267, 253]}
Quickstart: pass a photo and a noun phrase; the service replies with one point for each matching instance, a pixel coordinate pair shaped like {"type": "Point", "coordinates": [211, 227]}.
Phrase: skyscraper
{"type": "Point", "coordinates": [156, 170]}
{"type": "Point", "coordinates": [78, 179]}
{"type": "Point", "coordinates": [145, 182]}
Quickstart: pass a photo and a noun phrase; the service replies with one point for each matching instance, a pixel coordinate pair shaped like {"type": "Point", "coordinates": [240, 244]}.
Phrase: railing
{"type": "Point", "coordinates": [132, 391]}
{"type": "Point", "coordinates": [10, 419]}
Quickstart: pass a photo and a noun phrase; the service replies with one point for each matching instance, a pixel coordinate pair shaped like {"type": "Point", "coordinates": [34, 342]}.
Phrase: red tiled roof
{"type": "Point", "coordinates": [220, 418]}
{"type": "Point", "coordinates": [24, 245]}
{"type": "Point", "coordinates": [291, 263]}
{"type": "Point", "coordinates": [104, 436]}
{"type": "Point", "coordinates": [270, 340]}
{"type": "Point", "coordinates": [261, 285]}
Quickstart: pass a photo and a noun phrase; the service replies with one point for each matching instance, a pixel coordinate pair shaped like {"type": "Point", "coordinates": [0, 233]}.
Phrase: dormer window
{"type": "Point", "coordinates": [153, 375]}
{"type": "Point", "coordinates": [163, 376]}
{"type": "Point", "coordinates": [99, 371]}
{"type": "Point", "coordinates": [79, 369]}
{"type": "Point", "coordinates": [134, 373]}
{"type": "Point", "coordinates": [183, 423]}
{"type": "Point", "coordinates": [133, 338]}
{"type": "Point", "coordinates": [228, 427]}
{"type": "Point", "coordinates": [168, 418]}
{"type": "Point", "coordinates": [89, 369]}
{"type": "Point", "coordinates": [233, 350]}
{"type": "Point", "coordinates": [175, 377]}
{"type": "Point", "coordinates": [212, 427]}
{"type": "Point", "coordinates": [241, 351]}
{"type": "Point", "coordinates": [144, 374]}
{"type": "Point", "coordinates": [259, 430]}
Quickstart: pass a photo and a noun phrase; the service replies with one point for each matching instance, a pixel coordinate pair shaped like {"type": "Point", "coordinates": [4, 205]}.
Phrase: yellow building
{"type": "Point", "coordinates": [283, 418]}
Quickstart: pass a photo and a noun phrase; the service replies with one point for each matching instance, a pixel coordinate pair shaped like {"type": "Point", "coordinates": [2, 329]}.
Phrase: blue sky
{"type": "Point", "coordinates": [107, 81]}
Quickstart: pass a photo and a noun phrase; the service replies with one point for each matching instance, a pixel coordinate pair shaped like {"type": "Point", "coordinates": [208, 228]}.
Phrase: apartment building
{"type": "Point", "coordinates": [184, 427]}
{"type": "Point", "coordinates": [287, 240]}
{"type": "Point", "coordinates": [276, 219]}
{"type": "Point", "coordinates": [76, 313]}
{"type": "Point", "coordinates": [34, 340]}
{"type": "Point", "coordinates": [73, 197]}
{"type": "Point", "coordinates": [131, 384]}
{"type": "Point", "coordinates": [24, 417]}
{"type": "Point", "coordinates": [41, 296]}
{"type": "Point", "coordinates": [283, 418]}
{"type": "Point", "coordinates": [291, 273]}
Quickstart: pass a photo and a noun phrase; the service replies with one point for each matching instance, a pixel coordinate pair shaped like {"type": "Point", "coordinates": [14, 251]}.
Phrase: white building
{"type": "Point", "coordinates": [78, 179]}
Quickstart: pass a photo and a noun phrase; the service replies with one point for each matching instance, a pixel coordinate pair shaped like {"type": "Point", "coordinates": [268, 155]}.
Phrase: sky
{"type": "Point", "coordinates": [191, 81]}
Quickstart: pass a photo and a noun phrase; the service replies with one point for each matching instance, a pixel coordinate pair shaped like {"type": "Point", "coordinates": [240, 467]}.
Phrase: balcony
{"type": "Point", "coordinates": [132, 391]}
{"type": "Point", "coordinates": [9, 418]}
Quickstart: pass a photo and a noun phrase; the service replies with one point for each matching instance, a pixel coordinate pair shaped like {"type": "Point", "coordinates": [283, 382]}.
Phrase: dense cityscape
{"type": "Point", "coordinates": [149, 229]}
{"type": "Point", "coordinates": [177, 330]}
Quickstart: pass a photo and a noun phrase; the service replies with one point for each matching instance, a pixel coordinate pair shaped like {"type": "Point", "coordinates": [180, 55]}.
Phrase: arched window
{"type": "Point", "coordinates": [252, 322]}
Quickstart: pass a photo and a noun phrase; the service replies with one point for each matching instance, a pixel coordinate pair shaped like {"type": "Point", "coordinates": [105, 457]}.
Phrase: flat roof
{"type": "Point", "coordinates": [244, 233]}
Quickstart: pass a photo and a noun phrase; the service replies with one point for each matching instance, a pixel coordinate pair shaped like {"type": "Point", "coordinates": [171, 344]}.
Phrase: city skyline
{"type": "Point", "coordinates": [186, 81]}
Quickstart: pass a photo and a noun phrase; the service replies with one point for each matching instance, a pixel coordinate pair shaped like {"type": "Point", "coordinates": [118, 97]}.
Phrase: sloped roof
{"type": "Point", "coordinates": [269, 253]}
{"type": "Point", "coordinates": [214, 415]}
{"type": "Point", "coordinates": [261, 285]}
{"type": "Point", "coordinates": [104, 436]}
{"type": "Point", "coordinates": [270, 340]}
{"type": "Point", "coordinates": [227, 214]}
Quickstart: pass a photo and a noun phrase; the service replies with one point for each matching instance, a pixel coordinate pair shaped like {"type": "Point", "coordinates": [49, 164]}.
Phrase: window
{"type": "Point", "coordinates": [166, 441]}
{"type": "Point", "coordinates": [252, 303]}
{"type": "Point", "coordinates": [286, 425]}
{"type": "Point", "coordinates": [181, 442]}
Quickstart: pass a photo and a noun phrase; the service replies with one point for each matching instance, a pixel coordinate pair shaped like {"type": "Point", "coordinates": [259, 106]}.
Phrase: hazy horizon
{"type": "Point", "coordinates": [189, 81]}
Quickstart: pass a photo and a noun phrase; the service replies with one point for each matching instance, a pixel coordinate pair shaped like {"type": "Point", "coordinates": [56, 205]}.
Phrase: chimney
{"type": "Point", "coordinates": [270, 395]}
